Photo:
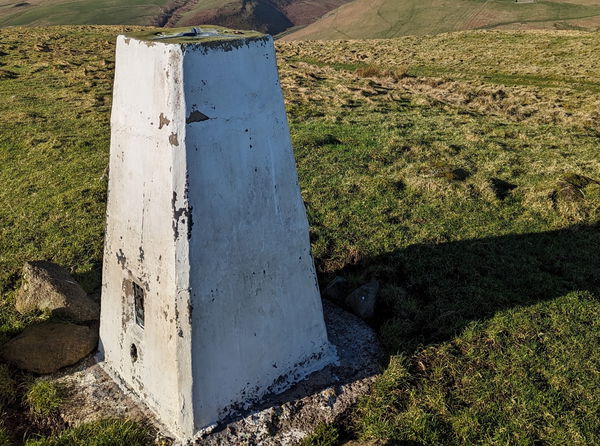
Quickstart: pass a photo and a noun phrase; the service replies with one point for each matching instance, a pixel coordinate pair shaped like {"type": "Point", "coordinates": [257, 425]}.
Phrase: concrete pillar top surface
{"type": "Point", "coordinates": [206, 35]}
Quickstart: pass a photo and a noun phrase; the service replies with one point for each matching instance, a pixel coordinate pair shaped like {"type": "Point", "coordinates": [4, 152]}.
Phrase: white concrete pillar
{"type": "Point", "coordinates": [209, 299]}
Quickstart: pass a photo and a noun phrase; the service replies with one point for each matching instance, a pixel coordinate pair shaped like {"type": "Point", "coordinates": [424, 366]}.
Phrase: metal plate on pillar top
{"type": "Point", "coordinates": [197, 34]}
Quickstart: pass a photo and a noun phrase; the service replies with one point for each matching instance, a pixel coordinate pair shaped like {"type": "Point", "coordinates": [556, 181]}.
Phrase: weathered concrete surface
{"type": "Point", "coordinates": [280, 420]}
{"type": "Point", "coordinates": [49, 287]}
{"type": "Point", "coordinates": [49, 346]}
{"type": "Point", "coordinates": [325, 396]}
{"type": "Point", "coordinates": [139, 246]}
{"type": "Point", "coordinates": [90, 394]}
{"type": "Point", "coordinates": [206, 223]}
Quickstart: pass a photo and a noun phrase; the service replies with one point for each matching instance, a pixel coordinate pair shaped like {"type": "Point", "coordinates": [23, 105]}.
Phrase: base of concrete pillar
{"type": "Point", "coordinates": [281, 419]}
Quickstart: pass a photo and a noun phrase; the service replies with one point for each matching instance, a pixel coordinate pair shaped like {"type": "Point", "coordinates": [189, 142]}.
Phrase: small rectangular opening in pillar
{"type": "Point", "coordinates": [138, 299]}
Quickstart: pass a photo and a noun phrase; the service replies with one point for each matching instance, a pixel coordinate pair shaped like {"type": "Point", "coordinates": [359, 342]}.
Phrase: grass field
{"type": "Point", "coordinates": [78, 12]}
{"type": "Point", "coordinates": [461, 170]}
{"type": "Point", "coordinates": [362, 19]}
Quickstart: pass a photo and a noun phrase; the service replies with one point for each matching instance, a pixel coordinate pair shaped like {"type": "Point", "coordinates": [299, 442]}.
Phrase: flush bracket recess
{"type": "Point", "coordinates": [139, 296]}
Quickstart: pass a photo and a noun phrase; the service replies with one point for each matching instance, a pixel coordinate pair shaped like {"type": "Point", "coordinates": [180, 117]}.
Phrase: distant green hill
{"type": "Point", "coordinates": [313, 19]}
{"type": "Point", "coordinates": [273, 16]}
{"type": "Point", "coordinates": [362, 19]}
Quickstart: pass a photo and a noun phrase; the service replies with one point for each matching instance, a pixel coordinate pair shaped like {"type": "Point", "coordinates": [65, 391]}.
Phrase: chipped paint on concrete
{"type": "Point", "coordinates": [163, 121]}
{"type": "Point", "coordinates": [143, 166]}
{"type": "Point", "coordinates": [196, 116]}
{"type": "Point", "coordinates": [210, 197]}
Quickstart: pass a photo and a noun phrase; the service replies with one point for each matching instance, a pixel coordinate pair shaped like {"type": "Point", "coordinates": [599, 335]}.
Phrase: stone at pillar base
{"type": "Point", "coordinates": [279, 420]}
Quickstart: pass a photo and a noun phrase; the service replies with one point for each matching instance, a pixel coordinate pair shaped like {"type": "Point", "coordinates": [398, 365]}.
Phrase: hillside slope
{"type": "Point", "coordinates": [460, 170]}
{"type": "Point", "coordinates": [272, 16]}
{"type": "Point", "coordinates": [363, 19]}
{"type": "Point", "coordinates": [79, 12]}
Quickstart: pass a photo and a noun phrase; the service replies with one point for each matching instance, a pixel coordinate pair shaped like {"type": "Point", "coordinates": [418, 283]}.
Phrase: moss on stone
{"type": "Point", "coordinates": [570, 187]}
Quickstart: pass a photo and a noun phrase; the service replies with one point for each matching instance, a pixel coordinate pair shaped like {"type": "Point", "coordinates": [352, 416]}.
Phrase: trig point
{"type": "Point", "coordinates": [209, 298]}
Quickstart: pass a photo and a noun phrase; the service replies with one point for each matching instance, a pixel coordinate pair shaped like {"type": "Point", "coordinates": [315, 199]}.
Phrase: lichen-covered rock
{"type": "Point", "coordinates": [50, 346]}
{"type": "Point", "coordinates": [49, 287]}
{"type": "Point", "coordinates": [362, 301]}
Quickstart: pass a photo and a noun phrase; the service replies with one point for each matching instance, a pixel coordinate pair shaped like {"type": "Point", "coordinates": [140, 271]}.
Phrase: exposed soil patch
{"type": "Point", "coordinates": [262, 15]}
{"type": "Point", "coordinates": [172, 12]}
{"type": "Point", "coordinates": [304, 12]}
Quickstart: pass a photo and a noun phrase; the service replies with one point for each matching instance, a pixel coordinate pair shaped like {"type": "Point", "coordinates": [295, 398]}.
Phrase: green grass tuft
{"type": "Point", "coordinates": [5, 440]}
{"type": "Point", "coordinates": [324, 435]}
{"type": "Point", "coordinates": [8, 387]}
{"type": "Point", "coordinates": [101, 433]}
{"type": "Point", "coordinates": [43, 397]}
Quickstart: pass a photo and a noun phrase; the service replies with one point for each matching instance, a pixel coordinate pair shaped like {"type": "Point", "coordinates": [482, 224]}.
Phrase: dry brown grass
{"type": "Point", "coordinates": [548, 78]}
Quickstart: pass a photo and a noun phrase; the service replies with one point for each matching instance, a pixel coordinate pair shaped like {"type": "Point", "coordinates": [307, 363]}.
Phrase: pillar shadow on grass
{"type": "Point", "coordinates": [430, 292]}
